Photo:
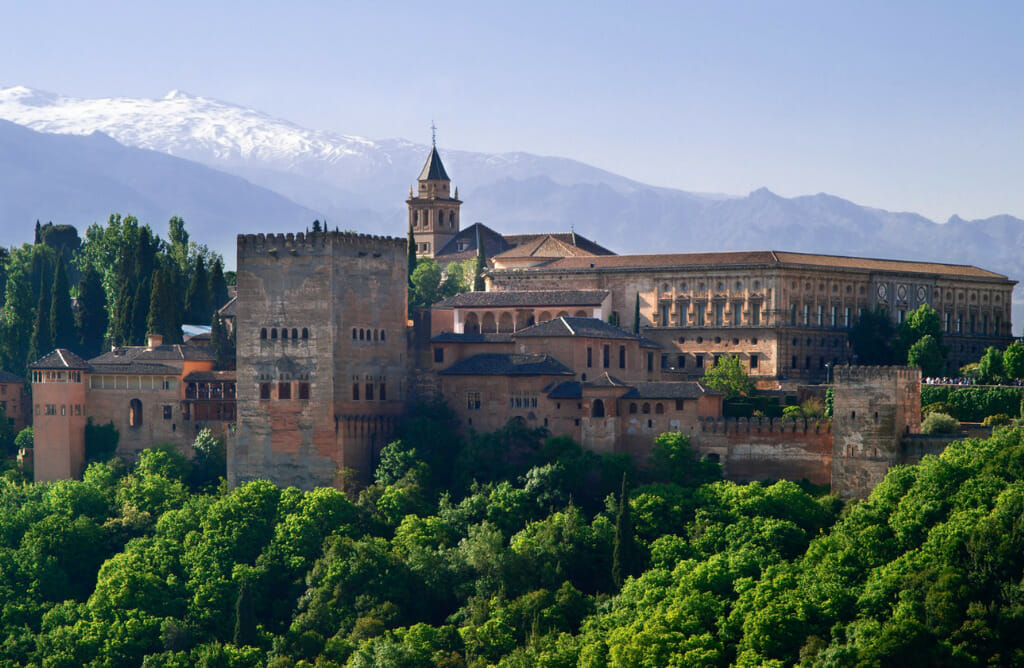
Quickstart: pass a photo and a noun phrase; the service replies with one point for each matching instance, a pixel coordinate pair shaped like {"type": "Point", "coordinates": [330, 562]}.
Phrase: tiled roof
{"type": "Point", "coordinates": [226, 376]}
{"type": "Point", "coordinates": [228, 310]}
{"type": "Point", "coordinates": [135, 369]}
{"type": "Point", "coordinates": [666, 390]}
{"type": "Point", "coordinates": [61, 358]}
{"type": "Point", "coordinates": [501, 364]}
{"type": "Point", "coordinates": [8, 377]}
{"type": "Point", "coordinates": [164, 353]}
{"type": "Point", "coordinates": [526, 298]}
{"type": "Point", "coordinates": [571, 238]}
{"type": "Point", "coordinates": [775, 258]}
{"type": "Point", "coordinates": [433, 169]}
{"type": "Point", "coordinates": [587, 327]}
{"type": "Point", "coordinates": [489, 337]}
{"type": "Point", "coordinates": [546, 246]}
{"type": "Point", "coordinates": [606, 380]}
{"type": "Point", "coordinates": [493, 243]}
{"type": "Point", "coordinates": [572, 389]}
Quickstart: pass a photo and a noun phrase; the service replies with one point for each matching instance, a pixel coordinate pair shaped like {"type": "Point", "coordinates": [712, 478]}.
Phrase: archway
{"type": "Point", "coordinates": [471, 324]}
{"type": "Point", "coordinates": [544, 316]}
{"type": "Point", "coordinates": [597, 409]}
{"type": "Point", "coordinates": [489, 325]}
{"type": "Point", "coordinates": [505, 323]}
{"type": "Point", "coordinates": [135, 413]}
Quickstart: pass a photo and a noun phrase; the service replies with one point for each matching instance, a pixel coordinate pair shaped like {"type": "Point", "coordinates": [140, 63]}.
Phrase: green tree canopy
{"type": "Point", "coordinates": [871, 338]}
{"type": "Point", "coordinates": [927, 354]}
{"type": "Point", "coordinates": [91, 319]}
{"type": "Point", "coordinates": [729, 376]}
{"type": "Point", "coordinates": [1013, 361]}
{"type": "Point", "coordinates": [62, 319]}
{"type": "Point", "coordinates": [990, 366]}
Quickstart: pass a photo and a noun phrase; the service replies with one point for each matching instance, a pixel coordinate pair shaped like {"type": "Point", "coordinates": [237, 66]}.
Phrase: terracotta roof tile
{"type": "Point", "coordinates": [502, 364]}
{"type": "Point", "coordinates": [667, 390]}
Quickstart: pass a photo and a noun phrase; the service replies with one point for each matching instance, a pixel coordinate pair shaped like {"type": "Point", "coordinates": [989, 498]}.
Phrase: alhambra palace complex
{"type": "Point", "coordinates": [329, 355]}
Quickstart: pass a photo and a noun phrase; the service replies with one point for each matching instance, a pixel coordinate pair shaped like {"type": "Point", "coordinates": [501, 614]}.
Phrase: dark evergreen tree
{"type": "Point", "coordinates": [245, 616]}
{"type": "Point", "coordinates": [91, 320]}
{"type": "Point", "coordinates": [163, 314]}
{"type": "Point", "coordinates": [624, 560]}
{"type": "Point", "coordinates": [121, 318]}
{"type": "Point", "coordinates": [197, 298]}
{"type": "Point", "coordinates": [479, 284]}
{"type": "Point", "coordinates": [636, 315]}
{"type": "Point", "coordinates": [41, 270]}
{"type": "Point", "coordinates": [41, 342]}
{"type": "Point", "coordinates": [38, 236]}
{"type": "Point", "coordinates": [218, 285]}
{"type": "Point", "coordinates": [5, 257]}
{"type": "Point", "coordinates": [316, 226]}
{"type": "Point", "coordinates": [62, 318]}
{"type": "Point", "coordinates": [16, 318]}
{"type": "Point", "coordinates": [140, 314]}
{"type": "Point", "coordinates": [222, 344]}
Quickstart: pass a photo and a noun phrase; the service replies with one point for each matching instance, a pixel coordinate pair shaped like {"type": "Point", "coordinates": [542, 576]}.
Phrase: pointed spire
{"type": "Point", "coordinates": [434, 170]}
{"type": "Point", "coordinates": [410, 192]}
{"type": "Point", "coordinates": [456, 192]}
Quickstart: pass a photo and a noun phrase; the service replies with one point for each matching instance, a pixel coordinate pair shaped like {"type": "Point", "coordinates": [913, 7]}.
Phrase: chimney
{"type": "Point", "coordinates": [154, 340]}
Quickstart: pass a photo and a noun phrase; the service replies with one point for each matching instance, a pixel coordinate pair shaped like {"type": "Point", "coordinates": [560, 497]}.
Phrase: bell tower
{"type": "Point", "coordinates": [433, 211]}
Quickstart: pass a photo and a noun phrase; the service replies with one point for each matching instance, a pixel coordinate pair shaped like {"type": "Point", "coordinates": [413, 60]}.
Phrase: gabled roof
{"type": "Point", "coordinates": [61, 358]}
{"type": "Point", "coordinates": [228, 310]}
{"type": "Point", "coordinates": [8, 377]}
{"type": "Point", "coordinates": [546, 246]}
{"type": "Point", "coordinates": [606, 380]}
{"type": "Point", "coordinates": [587, 327]}
{"type": "Point", "coordinates": [175, 352]}
{"type": "Point", "coordinates": [571, 389]}
{"type": "Point", "coordinates": [488, 337]}
{"type": "Point", "coordinates": [570, 238]}
{"type": "Point", "coordinates": [667, 390]}
{"type": "Point", "coordinates": [508, 364]}
{"type": "Point", "coordinates": [434, 170]}
{"type": "Point", "coordinates": [494, 243]}
{"type": "Point", "coordinates": [526, 298]}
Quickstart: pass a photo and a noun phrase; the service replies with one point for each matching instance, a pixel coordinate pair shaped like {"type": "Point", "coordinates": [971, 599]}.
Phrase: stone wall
{"type": "Point", "coordinates": [762, 449]}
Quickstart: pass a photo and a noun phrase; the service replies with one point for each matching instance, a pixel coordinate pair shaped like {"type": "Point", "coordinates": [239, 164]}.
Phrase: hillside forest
{"type": "Point", "coordinates": [513, 549]}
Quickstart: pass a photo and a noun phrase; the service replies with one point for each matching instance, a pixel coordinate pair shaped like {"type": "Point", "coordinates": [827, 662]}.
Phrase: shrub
{"type": "Point", "coordinates": [940, 423]}
{"type": "Point", "coordinates": [936, 407]}
{"type": "Point", "coordinates": [997, 420]}
{"type": "Point", "coordinates": [973, 404]}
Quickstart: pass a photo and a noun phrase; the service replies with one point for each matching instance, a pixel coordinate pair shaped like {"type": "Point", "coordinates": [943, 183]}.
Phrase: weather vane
{"type": "Point", "coordinates": [433, 133]}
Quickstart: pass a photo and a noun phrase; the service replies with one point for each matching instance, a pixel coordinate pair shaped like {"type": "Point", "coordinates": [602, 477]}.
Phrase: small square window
{"type": "Point", "coordinates": [438, 355]}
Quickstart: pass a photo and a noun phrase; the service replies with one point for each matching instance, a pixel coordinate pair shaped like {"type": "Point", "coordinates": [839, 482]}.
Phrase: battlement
{"type": "Point", "coordinates": [764, 426]}
{"type": "Point", "coordinates": [854, 374]}
{"type": "Point", "coordinates": [257, 244]}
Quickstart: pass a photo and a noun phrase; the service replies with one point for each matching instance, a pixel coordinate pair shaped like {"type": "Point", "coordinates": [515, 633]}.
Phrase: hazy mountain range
{"type": "Point", "coordinates": [183, 155]}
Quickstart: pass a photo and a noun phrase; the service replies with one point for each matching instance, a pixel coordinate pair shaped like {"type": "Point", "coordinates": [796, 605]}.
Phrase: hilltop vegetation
{"type": "Point", "coordinates": [511, 549]}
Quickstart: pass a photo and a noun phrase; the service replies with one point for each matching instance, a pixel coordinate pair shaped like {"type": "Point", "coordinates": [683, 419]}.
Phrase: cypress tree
{"type": "Point", "coordinates": [412, 253]}
{"type": "Point", "coordinates": [624, 551]}
{"type": "Point", "coordinates": [62, 318]}
{"type": "Point", "coordinates": [164, 316]}
{"type": "Point", "coordinates": [121, 325]}
{"type": "Point", "coordinates": [91, 320]}
{"type": "Point", "coordinates": [41, 342]}
{"type": "Point", "coordinates": [223, 347]}
{"type": "Point", "coordinates": [636, 315]}
{"type": "Point", "coordinates": [218, 285]}
{"type": "Point", "coordinates": [479, 284]}
{"type": "Point", "coordinates": [140, 312]}
{"type": "Point", "coordinates": [197, 298]}
{"type": "Point", "coordinates": [245, 616]}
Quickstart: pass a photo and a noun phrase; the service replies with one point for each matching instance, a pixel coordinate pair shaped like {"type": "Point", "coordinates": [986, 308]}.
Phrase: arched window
{"type": "Point", "coordinates": [305, 333]}
{"type": "Point", "coordinates": [273, 334]}
{"type": "Point", "coordinates": [376, 335]}
{"type": "Point", "coordinates": [263, 334]}
{"type": "Point", "coordinates": [295, 333]}
{"type": "Point", "coordinates": [135, 413]}
{"type": "Point", "coordinates": [383, 336]}
{"type": "Point", "coordinates": [646, 408]}
{"type": "Point", "coordinates": [597, 409]}
{"type": "Point", "coordinates": [659, 409]}
{"type": "Point", "coordinates": [451, 218]}
{"type": "Point", "coordinates": [355, 334]}
{"type": "Point", "coordinates": [284, 333]}
{"type": "Point", "coordinates": [362, 334]}
{"type": "Point", "coordinates": [632, 409]}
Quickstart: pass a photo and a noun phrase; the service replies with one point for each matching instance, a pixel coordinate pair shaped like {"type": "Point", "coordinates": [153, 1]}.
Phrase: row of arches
{"type": "Point", "coordinates": [421, 218]}
{"type": "Point", "coordinates": [372, 335]}
{"type": "Point", "coordinates": [273, 333]}
{"type": "Point", "coordinates": [489, 322]}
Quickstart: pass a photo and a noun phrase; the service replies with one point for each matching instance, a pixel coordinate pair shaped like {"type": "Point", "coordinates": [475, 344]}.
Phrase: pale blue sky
{"type": "Point", "coordinates": [899, 105]}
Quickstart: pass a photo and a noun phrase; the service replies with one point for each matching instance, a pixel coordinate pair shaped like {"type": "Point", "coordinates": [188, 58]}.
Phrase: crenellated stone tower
{"type": "Point", "coordinates": [434, 210]}
{"type": "Point", "coordinates": [321, 355]}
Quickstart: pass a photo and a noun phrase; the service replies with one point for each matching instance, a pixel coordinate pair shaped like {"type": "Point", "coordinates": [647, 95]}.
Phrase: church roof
{"type": "Point", "coordinates": [571, 238]}
{"type": "Point", "coordinates": [544, 246]}
{"type": "Point", "coordinates": [434, 170]}
{"type": "Point", "coordinates": [558, 244]}
{"type": "Point", "coordinates": [525, 298]}
{"type": "Point", "coordinates": [779, 259]}
{"type": "Point", "coordinates": [466, 239]}
{"type": "Point", "coordinates": [508, 364]}
{"type": "Point", "coordinates": [61, 358]}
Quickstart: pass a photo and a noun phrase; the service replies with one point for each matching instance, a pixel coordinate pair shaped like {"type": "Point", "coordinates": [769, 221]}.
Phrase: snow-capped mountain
{"type": "Point", "coordinates": [359, 183]}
